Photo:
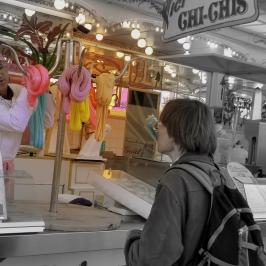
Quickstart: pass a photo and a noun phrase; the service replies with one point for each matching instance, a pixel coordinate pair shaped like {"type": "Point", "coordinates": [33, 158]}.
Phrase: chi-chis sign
{"type": "Point", "coordinates": [184, 17]}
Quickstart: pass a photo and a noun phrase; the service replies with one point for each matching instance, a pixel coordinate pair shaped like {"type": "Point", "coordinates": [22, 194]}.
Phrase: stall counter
{"type": "Point", "coordinates": [103, 248]}
{"type": "Point", "coordinates": [54, 248]}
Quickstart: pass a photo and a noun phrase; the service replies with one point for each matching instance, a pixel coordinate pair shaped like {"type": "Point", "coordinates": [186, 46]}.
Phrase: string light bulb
{"type": "Point", "coordinates": [59, 4]}
{"type": "Point", "coordinates": [173, 74]}
{"type": "Point", "coordinates": [29, 12]}
{"type": "Point", "coordinates": [182, 40]}
{"type": "Point", "coordinates": [148, 50]}
{"type": "Point", "coordinates": [80, 18]}
{"type": "Point", "coordinates": [126, 24]}
{"type": "Point", "coordinates": [141, 43]}
{"type": "Point", "coordinates": [127, 58]}
{"type": "Point", "coordinates": [120, 54]}
{"type": "Point", "coordinates": [99, 37]}
{"type": "Point", "coordinates": [135, 34]}
{"type": "Point", "coordinates": [186, 45]}
{"type": "Point", "coordinates": [88, 26]}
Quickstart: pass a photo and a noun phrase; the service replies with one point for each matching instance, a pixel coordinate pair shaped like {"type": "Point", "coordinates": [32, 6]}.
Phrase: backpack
{"type": "Point", "coordinates": [230, 237]}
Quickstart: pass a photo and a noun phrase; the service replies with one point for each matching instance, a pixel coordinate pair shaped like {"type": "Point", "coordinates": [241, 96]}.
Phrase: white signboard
{"type": "Point", "coordinates": [186, 17]}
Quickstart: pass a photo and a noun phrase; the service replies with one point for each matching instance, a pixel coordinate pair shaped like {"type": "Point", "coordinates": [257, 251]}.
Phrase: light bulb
{"type": "Point", "coordinates": [157, 29]}
{"type": "Point", "coordinates": [182, 40]}
{"type": "Point", "coordinates": [141, 43]}
{"type": "Point", "coordinates": [259, 85]}
{"type": "Point", "coordinates": [99, 37]}
{"type": "Point", "coordinates": [135, 34]}
{"type": "Point", "coordinates": [148, 50]}
{"type": "Point", "coordinates": [29, 12]}
{"type": "Point", "coordinates": [120, 54]}
{"type": "Point", "coordinates": [127, 58]}
{"type": "Point", "coordinates": [80, 19]}
{"type": "Point", "coordinates": [167, 68]}
{"type": "Point", "coordinates": [186, 45]}
{"type": "Point", "coordinates": [126, 24]}
{"type": "Point", "coordinates": [59, 4]}
{"type": "Point", "coordinates": [231, 79]}
{"type": "Point", "coordinates": [173, 75]}
{"type": "Point", "coordinates": [88, 26]}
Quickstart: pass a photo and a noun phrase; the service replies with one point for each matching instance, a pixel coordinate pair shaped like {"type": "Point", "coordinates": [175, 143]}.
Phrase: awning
{"type": "Point", "coordinates": [221, 64]}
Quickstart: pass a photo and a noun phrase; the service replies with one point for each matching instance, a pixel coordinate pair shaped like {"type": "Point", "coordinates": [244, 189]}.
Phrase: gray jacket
{"type": "Point", "coordinates": [173, 230]}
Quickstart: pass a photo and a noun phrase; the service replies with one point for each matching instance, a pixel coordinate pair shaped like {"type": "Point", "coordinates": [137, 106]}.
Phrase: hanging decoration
{"type": "Point", "coordinates": [74, 85]}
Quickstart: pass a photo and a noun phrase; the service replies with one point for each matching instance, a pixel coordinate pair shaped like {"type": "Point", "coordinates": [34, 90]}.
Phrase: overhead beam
{"type": "Point", "coordinates": [38, 8]}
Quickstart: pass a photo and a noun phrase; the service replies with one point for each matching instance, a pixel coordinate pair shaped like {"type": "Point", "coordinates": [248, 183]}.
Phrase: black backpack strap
{"type": "Point", "coordinates": [196, 172]}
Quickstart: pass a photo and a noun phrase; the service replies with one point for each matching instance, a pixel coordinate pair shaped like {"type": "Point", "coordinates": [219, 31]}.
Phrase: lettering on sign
{"type": "Point", "coordinates": [184, 17]}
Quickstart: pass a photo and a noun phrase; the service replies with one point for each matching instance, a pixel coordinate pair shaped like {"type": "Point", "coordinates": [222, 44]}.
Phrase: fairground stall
{"type": "Point", "coordinates": [88, 166]}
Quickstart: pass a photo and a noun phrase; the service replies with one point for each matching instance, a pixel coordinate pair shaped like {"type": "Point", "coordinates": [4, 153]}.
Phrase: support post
{"type": "Point", "coordinates": [60, 137]}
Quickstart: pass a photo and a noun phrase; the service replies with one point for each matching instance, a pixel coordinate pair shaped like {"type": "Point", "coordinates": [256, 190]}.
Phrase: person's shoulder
{"type": "Point", "coordinates": [176, 178]}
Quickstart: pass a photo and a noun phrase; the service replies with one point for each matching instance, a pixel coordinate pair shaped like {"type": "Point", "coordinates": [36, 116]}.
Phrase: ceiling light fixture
{"type": "Point", "coordinates": [135, 34]}
{"type": "Point", "coordinates": [99, 37]}
{"type": "Point", "coordinates": [141, 43]}
{"type": "Point", "coordinates": [59, 4]}
{"type": "Point", "coordinates": [148, 50]}
{"type": "Point", "coordinates": [29, 12]}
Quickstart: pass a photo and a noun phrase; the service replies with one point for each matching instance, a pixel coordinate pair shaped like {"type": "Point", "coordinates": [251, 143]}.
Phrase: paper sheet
{"type": "Point", "coordinates": [256, 197]}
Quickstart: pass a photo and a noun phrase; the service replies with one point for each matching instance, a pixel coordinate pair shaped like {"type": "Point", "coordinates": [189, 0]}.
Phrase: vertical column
{"type": "Point", "coordinates": [60, 137]}
{"type": "Point", "coordinates": [214, 90]}
{"type": "Point", "coordinates": [256, 108]}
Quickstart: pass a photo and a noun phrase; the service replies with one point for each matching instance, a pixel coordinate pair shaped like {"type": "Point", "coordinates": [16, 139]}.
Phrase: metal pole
{"type": "Point", "coordinates": [60, 138]}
